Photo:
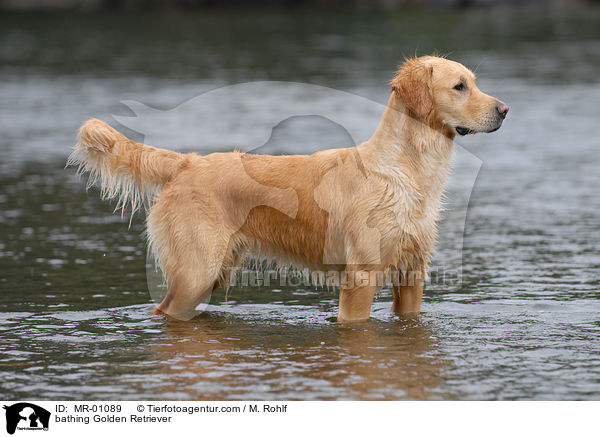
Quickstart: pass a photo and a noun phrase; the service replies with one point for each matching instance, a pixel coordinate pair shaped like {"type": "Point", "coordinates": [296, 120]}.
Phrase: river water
{"type": "Point", "coordinates": [524, 323]}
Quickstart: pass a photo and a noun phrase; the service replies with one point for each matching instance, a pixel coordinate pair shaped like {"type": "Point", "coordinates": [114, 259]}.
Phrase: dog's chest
{"type": "Point", "coordinates": [411, 221]}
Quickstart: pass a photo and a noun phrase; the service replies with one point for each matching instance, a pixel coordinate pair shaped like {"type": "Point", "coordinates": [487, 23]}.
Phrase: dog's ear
{"type": "Point", "coordinates": [413, 83]}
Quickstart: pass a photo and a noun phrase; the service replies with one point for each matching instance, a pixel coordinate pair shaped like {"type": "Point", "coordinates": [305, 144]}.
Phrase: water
{"type": "Point", "coordinates": [74, 305]}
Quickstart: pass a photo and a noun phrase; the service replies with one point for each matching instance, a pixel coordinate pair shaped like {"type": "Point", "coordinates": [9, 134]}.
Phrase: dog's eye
{"type": "Point", "coordinates": [459, 87]}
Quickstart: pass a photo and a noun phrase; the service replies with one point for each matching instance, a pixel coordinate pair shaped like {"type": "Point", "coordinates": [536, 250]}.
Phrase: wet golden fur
{"type": "Point", "coordinates": [358, 210]}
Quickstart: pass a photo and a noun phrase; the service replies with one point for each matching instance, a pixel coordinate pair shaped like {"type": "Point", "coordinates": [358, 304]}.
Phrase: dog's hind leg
{"type": "Point", "coordinates": [184, 295]}
{"type": "Point", "coordinates": [191, 281]}
{"type": "Point", "coordinates": [193, 255]}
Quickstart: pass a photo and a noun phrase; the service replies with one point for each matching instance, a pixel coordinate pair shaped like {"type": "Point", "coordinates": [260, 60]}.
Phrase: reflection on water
{"type": "Point", "coordinates": [227, 357]}
{"type": "Point", "coordinates": [220, 356]}
{"type": "Point", "coordinates": [74, 306]}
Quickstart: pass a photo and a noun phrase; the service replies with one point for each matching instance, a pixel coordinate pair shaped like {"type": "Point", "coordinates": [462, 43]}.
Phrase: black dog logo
{"type": "Point", "coordinates": [28, 416]}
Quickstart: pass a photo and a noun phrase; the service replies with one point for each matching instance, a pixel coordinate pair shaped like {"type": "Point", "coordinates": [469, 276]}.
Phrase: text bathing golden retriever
{"type": "Point", "coordinates": [357, 210]}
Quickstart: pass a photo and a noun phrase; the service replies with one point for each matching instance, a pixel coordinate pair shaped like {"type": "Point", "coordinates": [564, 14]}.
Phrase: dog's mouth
{"type": "Point", "coordinates": [466, 131]}
{"type": "Point", "coordinates": [463, 130]}
{"type": "Point", "coordinates": [495, 128]}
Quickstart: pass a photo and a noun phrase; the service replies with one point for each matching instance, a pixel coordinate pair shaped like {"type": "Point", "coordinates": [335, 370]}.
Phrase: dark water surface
{"type": "Point", "coordinates": [74, 305]}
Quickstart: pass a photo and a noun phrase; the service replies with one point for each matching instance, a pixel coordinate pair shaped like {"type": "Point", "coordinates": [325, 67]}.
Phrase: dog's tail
{"type": "Point", "coordinates": [126, 170]}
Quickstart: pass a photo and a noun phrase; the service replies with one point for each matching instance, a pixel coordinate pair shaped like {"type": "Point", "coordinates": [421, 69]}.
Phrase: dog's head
{"type": "Point", "coordinates": [444, 93]}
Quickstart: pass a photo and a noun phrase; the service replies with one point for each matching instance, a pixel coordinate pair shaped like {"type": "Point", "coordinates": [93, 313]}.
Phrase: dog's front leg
{"type": "Point", "coordinates": [356, 296]}
{"type": "Point", "coordinates": [409, 293]}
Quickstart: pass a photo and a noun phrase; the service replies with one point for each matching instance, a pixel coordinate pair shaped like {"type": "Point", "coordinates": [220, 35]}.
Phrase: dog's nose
{"type": "Point", "coordinates": [502, 109]}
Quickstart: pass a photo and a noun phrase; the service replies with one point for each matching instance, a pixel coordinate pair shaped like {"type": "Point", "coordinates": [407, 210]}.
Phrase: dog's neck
{"type": "Point", "coordinates": [397, 126]}
{"type": "Point", "coordinates": [412, 147]}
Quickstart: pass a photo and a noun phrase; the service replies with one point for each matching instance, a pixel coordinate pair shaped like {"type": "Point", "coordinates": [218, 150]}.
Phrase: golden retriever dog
{"type": "Point", "coordinates": [357, 210]}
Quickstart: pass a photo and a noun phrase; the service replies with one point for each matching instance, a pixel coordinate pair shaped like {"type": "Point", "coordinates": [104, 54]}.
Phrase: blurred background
{"type": "Point", "coordinates": [74, 305]}
{"type": "Point", "coordinates": [203, 4]}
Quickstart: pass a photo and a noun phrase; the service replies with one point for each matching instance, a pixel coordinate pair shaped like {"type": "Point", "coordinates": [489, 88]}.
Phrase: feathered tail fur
{"type": "Point", "coordinates": [125, 170]}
